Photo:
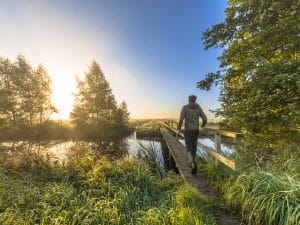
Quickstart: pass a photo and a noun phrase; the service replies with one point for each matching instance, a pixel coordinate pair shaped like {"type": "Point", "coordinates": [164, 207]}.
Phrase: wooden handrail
{"type": "Point", "coordinates": [217, 153]}
{"type": "Point", "coordinates": [224, 133]}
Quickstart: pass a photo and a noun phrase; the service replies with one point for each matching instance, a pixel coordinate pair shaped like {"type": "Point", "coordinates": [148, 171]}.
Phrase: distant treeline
{"type": "Point", "coordinates": [26, 108]}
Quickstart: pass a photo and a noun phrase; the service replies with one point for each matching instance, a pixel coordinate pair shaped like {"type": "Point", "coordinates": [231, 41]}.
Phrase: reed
{"type": "Point", "coordinates": [149, 155]}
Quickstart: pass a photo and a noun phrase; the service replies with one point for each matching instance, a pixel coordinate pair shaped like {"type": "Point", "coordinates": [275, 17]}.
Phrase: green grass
{"type": "Point", "coordinates": [148, 155]}
{"type": "Point", "coordinates": [261, 197]}
{"type": "Point", "coordinates": [89, 191]}
{"type": "Point", "coordinates": [147, 128]}
{"type": "Point", "coordinates": [266, 198]}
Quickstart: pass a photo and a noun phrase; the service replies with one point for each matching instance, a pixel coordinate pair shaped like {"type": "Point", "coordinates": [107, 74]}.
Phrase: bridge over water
{"type": "Point", "coordinates": [176, 158]}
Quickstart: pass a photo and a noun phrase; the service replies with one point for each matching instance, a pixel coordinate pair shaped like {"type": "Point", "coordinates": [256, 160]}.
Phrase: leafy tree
{"type": "Point", "coordinates": [95, 105]}
{"type": "Point", "coordinates": [259, 70]}
{"type": "Point", "coordinates": [122, 116]}
{"type": "Point", "coordinates": [42, 92]}
{"type": "Point", "coordinates": [25, 93]}
{"type": "Point", "coordinates": [8, 94]}
{"type": "Point", "coordinates": [24, 81]}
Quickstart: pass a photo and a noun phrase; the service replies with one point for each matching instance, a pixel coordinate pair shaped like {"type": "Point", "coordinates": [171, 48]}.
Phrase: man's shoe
{"type": "Point", "coordinates": [194, 170]}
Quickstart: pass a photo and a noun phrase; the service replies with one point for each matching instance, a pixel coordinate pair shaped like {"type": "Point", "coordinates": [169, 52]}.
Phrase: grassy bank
{"type": "Point", "coordinates": [63, 130]}
{"type": "Point", "coordinates": [260, 196]}
{"type": "Point", "coordinates": [147, 128]}
{"type": "Point", "coordinates": [89, 191]}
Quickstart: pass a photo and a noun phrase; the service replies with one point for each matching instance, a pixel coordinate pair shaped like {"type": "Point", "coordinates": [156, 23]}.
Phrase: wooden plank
{"type": "Point", "coordinates": [224, 160]}
{"type": "Point", "coordinates": [173, 129]}
{"type": "Point", "coordinates": [180, 156]}
{"type": "Point", "coordinates": [221, 158]}
{"type": "Point", "coordinates": [217, 145]}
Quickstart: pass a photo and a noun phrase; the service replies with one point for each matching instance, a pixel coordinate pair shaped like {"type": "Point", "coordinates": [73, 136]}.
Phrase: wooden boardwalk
{"type": "Point", "coordinates": [180, 156]}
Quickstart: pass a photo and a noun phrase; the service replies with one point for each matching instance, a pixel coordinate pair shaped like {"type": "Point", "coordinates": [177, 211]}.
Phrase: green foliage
{"type": "Point", "coordinates": [25, 94]}
{"type": "Point", "coordinates": [89, 191]}
{"type": "Point", "coordinates": [122, 113]}
{"type": "Point", "coordinates": [218, 175]}
{"type": "Point", "coordinates": [95, 108]}
{"type": "Point", "coordinates": [26, 107]}
{"type": "Point", "coordinates": [266, 198]}
{"type": "Point", "coordinates": [259, 70]}
{"type": "Point", "coordinates": [192, 207]}
{"type": "Point", "coordinates": [47, 130]}
{"type": "Point", "coordinates": [261, 197]}
{"type": "Point", "coordinates": [148, 154]}
{"type": "Point", "coordinates": [147, 123]}
{"type": "Point", "coordinates": [147, 128]}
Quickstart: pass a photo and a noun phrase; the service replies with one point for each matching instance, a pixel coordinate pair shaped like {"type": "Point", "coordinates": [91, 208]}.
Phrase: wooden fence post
{"type": "Point", "coordinates": [217, 145]}
{"type": "Point", "coordinates": [165, 154]}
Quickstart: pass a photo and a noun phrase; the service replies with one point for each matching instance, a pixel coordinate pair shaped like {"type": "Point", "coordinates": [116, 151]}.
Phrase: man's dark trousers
{"type": "Point", "coordinates": [191, 141]}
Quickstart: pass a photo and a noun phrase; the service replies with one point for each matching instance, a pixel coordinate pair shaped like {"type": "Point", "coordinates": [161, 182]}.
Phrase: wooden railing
{"type": "Point", "coordinates": [216, 153]}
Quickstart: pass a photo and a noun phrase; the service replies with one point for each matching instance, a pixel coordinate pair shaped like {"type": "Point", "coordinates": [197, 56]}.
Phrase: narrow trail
{"type": "Point", "coordinates": [223, 218]}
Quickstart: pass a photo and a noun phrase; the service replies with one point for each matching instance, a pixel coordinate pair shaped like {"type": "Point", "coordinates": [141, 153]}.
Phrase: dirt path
{"type": "Point", "coordinates": [223, 218]}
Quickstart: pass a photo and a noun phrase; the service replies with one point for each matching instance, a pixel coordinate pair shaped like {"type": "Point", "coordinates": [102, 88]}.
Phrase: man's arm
{"type": "Point", "coordinates": [203, 117]}
{"type": "Point", "coordinates": [182, 116]}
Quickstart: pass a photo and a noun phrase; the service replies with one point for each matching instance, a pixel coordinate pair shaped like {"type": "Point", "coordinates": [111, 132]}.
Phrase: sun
{"type": "Point", "coordinates": [63, 87]}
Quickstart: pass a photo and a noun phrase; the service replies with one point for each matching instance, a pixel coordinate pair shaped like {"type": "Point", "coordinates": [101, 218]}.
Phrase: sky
{"type": "Point", "coordinates": [151, 51]}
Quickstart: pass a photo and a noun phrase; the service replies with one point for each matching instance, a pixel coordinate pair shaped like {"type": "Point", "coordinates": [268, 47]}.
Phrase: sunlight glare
{"type": "Point", "coordinates": [62, 98]}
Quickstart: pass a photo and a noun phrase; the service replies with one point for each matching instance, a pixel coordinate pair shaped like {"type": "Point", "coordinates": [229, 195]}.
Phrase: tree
{"type": "Point", "coordinates": [25, 82]}
{"type": "Point", "coordinates": [259, 70]}
{"type": "Point", "coordinates": [42, 92]}
{"type": "Point", "coordinates": [94, 105]}
{"type": "Point", "coordinates": [25, 93]}
{"type": "Point", "coordinates": [8, 94]}
{"type": "Point", "coordinates": [122, 116]}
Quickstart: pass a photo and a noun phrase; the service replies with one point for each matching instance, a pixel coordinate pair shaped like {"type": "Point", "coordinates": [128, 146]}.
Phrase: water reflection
{"type": "Point", "coordinates": [22, 155]}
{"type": "Point", "coordinates": [98, 149]}
{"type": "Point", "coordinates": [227, 149]}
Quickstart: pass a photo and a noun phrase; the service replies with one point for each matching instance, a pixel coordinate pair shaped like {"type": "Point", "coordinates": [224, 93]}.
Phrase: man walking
{"type": "Point", "coordinates": [191, 113]}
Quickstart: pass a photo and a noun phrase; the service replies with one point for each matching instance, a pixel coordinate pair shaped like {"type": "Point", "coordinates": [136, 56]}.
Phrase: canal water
{"type": "Point", "coordinates": [62, 151]}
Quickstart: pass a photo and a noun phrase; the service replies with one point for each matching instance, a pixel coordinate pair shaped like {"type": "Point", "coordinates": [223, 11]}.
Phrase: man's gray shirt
{"type": "Point", "coordinates": [191, 113]}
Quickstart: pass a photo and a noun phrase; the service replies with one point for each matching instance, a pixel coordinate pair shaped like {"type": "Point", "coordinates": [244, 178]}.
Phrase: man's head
{"type": "Point", "coordinates": [192, 98]}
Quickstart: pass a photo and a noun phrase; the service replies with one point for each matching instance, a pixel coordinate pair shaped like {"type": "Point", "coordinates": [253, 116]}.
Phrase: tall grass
{"type": "Point", "coordinates": [89, 191]}
{"type": "Point", "coordinates": [271, 198]}
{"type": "Point", "coordinates": [266, 198]}
{"type": "Point", "coordinates": [150, 156]}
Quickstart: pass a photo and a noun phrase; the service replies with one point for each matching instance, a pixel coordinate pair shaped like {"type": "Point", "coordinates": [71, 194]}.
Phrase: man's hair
{"type": "Point", "coordinates": [192, 98]}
